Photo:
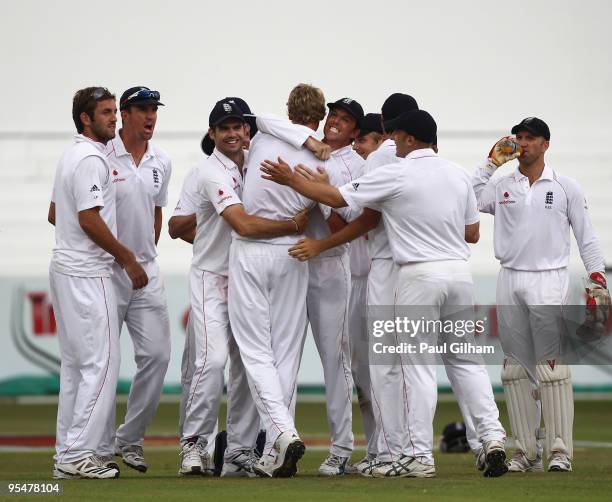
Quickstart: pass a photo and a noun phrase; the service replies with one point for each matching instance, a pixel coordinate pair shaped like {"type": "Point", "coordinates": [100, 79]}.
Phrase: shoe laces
{"type": "Point", "coordinates": [135, 449]}
{"type": "Point", "coordinates": [335, 460]}
{"type": "Point", "coordinates": [190, 452]}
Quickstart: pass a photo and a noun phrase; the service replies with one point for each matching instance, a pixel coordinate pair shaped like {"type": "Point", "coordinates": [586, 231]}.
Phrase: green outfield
{"type": "Point", "coordinates": [456, 476]}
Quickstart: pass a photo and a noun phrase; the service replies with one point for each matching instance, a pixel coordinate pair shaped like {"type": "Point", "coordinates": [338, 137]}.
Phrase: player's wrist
{"type": "Point", "coordinates": [297, 225]}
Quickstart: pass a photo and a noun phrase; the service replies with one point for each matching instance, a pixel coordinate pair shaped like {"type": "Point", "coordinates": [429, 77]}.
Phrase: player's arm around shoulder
{"type": "Point", "coordinates": [247, 225]}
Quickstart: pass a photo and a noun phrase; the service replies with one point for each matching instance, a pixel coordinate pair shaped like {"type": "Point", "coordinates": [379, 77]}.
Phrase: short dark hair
{"type": "Point", "coordinates": [85, 100]}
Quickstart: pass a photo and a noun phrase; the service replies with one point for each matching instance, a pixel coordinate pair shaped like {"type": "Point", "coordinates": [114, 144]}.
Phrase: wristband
{"type": "Point", "coordinates": [297, 227]}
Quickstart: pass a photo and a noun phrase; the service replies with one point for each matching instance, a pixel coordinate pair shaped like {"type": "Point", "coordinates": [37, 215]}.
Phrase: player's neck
{"type": "Point", "coordinates": [533, 171]}
{"type": "Point", "coordinates": [335, 145]}
{"type": "Point", "coordinates": [236, 157]}
{"type": "Point", "coordinates": [135, 146]}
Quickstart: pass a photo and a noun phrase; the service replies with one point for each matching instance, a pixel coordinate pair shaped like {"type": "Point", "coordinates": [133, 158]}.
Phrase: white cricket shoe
{"type": "Point", "coordinates": [89, 468]}
{"type": "Point", "coordinates": [520, 463]}
{"type": "Point", "coordinates": [107, 461]}
{"type": "Point", "coordinates": [494, 459]}
{"type": "Point", "coordinates": [240, 466]}
{"type": "Point", "coordinates": [559, 462]}
{"type": "Point", "coordinates": [356, 467]}
{"type": "Point", "coordinates": [191, 463]}
{"type": "Point", "coordinates": [333, 465]}
{"type": "Point", "coordinates": [133, 456]}
{"type": "Point", "coordinates": [290, 450]}
{"type": "Point", "coordinates": [368, 467]}
{"type": "Point", "coordinates": [404, 467]}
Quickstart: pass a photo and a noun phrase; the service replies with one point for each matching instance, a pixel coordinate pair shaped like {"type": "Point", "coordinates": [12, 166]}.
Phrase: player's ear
{"type": "Point", "coordinates": [85, 119]}
{"type": "Point", "coordinates": [211, 133]}
{"type": "Point", "coordinates": [545, 145]}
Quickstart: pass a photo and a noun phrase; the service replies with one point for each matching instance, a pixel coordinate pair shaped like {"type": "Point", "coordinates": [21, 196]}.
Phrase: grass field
{"type": "Point", "coordinates": [456, 479]}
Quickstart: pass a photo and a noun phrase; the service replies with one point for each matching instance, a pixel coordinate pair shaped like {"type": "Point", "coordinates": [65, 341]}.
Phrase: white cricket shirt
{"type": "Point", "coordinates": [213, 185]}
{"type": "Point", "coordinates": [378, 242]}
{"type": "Point", "coordinates": [139, 189]}
{"type": "Point", "coordinates": [531, 228]}
{"type": "Point", "coordinates": [270, 200]}
{"type": "Point", "coordinates": [82, 181]}
{"type": "Point", "coordinates": [426, 202]}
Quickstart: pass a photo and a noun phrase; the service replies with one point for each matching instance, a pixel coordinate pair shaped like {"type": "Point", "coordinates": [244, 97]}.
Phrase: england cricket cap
{"type": "Point", "coordinates": [396, 104]}
{"type": "Point", "coordinates": [349, 105]}
{"type": "Point", "coordinates": [223, 110]}
{"type": "Point", "coordinates": [370, 123]}
{"type": "Point", "coordinates": [535, 126]}
{"type": "Point", "coordinates": [417, 123]}
{"type": "Point", "coordinates": [208, 145]}
{"type": "Point", "coordinates": [139, 95]}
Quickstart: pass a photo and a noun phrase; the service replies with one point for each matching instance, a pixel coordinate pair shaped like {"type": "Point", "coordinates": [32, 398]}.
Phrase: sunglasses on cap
{"type": "Point", "coordinates": [141, 94]}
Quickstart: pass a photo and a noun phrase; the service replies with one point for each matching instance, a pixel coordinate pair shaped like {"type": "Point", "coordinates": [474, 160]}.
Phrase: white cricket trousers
{"type": "Point", "coordinates": [387, 382]}
{"type": "Point", "coordinates": [526, 300]}
{"type": "Point", "coordinates": [146, 315]}
{"type": "Point", "coordinates": [187, 370]}
{"type": "Point", "coordinates": [267, 309]}
{"type": "Point", "coordinates": [360, 364]}
{"type": "Point", "coordinates": [327, 301]}
{"type": "Point", "coordinates": [437, 289]}
{"type": "Point", "coordinates": [85, 312]}
{"type": "Point", "coordinates": [214, 342]}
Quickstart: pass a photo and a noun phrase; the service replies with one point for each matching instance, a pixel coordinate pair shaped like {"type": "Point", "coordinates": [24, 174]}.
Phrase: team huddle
{"type": "Point", "coordinates": [290, 231]}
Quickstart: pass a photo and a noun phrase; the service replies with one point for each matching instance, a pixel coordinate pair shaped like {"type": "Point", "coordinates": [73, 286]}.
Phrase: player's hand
{"type": "Point", "coordinates": [597, 306]}
{"type": "Point", "coordinates": [320, 176]}
{"type": "Point", "coordinates": [279, 172]}
{"type": "Point", "coordinates": [136, 274]}
{"type": "Point", "coordinates": [505, 150]}
{"type": "Point", "coordinates": [306, 249]}
{"type": "Point", "coordinates": [320, 150]}
{"type": "Point", "coordinates": [301, 220]}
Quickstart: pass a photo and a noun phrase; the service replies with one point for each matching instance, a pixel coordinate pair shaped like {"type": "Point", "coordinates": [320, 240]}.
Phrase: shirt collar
{"type": "Point", "coordinates": [81, 138]}
{"type": "Point", "coordinates": [224, 160]}
{"type": "Point", "coordinates": [547, 174]}
{"type": "Point", "coordinates": [420, 153]}
{"type": "Point", "coordinates": [342, 151]}
{"type": "Point", "coordinates": [120, 147]}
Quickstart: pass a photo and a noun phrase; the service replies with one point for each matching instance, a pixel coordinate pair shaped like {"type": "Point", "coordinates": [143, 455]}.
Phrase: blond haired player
{"type": "Point", "coordinates": [267, 292]}
{"type": "Point", "coordinates": [534, 209]}
{"type": "Point", "coordinates": [83, 212]}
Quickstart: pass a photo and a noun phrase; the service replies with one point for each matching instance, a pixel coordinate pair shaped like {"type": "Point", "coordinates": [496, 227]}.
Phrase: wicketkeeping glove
{"type": "Point", "coordinates": [503, 151]}
{"type": "Point", "coordinates": [597, 304]}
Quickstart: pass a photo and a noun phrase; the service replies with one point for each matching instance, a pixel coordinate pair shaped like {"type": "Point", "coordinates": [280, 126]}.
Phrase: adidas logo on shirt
{"type": "Point", "coordinates": [94, 189]}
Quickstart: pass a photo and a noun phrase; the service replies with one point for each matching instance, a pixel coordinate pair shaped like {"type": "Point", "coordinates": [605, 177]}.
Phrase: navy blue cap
{"type": "Point", "coordinates": [396, 104]}
{"type": "Point", "coordinates": [351, 106]}
{"type": "Point", "coordinates": [535, 126]}
{"type": "Point", "coordinates": [417, 123]}
{"type": "Point", "coordinates": [371, 123]}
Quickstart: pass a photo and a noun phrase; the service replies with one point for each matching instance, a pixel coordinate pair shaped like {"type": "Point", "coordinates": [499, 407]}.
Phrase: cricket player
{"type": "Point", "coordinates": [219, 182]}
{"type": "Point", "coordinates": [534, 209]}
{"type": "Point", "coordinates": [140, 174]}
{"type": "Point", "coordinates": [329, 282]}
{"type": "Point", "coordinates": [430, 249]}
{"type": "Point", "coordinates": [84, 302]}
{"type": "Point", "coordinates": [267, 292]}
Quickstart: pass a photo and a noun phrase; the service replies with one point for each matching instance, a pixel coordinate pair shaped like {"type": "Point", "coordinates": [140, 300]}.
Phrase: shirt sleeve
{"type": "Point", "coordinates": [374, 187]}
{"type": "Point", "coordinates": [282, 128]}
{"type": "Point", "coordinates": [471, 208]}
{"type": "Point", "coordinates": [162, 196]}
{"type": "Point", "coordinates": [187, 203]}
{"type": "Point", "coordinates": [580, 221]}
{"type": "Point", "coordinates": [484, 189]}
{"type": "Point", "coordinates": [217, 190]}
{"type": "Point", "coordinates": [89, 177]}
